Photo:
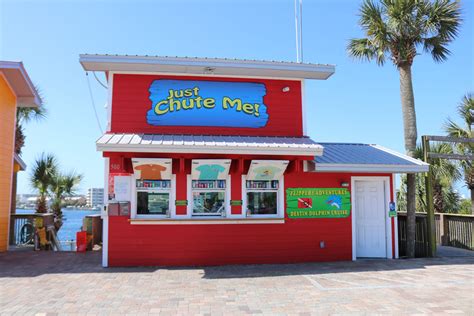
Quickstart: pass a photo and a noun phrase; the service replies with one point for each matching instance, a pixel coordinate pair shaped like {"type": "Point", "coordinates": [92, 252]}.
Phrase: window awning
{"type": "Point", "coordinates": [266, 169]}
{"type": "Point", "coordinates": [239, 145]}
{"type": "Point", "coordinates": [152, 168]}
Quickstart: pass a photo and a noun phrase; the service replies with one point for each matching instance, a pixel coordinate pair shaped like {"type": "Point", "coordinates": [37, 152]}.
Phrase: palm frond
{"type": "Point", "coordinates": [362, 48]}
{"type": "Point", "coordinates": [399, 27]}
{"type": "Point", "coordinates": [43, 171]}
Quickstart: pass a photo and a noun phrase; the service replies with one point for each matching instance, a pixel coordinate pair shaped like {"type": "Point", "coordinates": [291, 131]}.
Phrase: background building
{"type": "Point", "coordinates": [16, 90]}
{"type": "Point", "coordinates": [95, 197]}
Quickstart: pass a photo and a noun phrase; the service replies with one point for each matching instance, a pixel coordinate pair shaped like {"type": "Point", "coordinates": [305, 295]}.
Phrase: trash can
{"type": "Point", "coordinates": [81, 241]}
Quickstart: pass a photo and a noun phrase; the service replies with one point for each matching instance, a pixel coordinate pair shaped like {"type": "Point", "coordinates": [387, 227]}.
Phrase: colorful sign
{"type": "Point", "coordinates": [392, 212]}
{"type": "Point", "coordinates": [207, 103]}
{"type": "Point", "coordinates": [235, 202]}
{"type": "Point", "coordinates": [181, 202]}
{"type": "Point", "coordinates": [318, 202]}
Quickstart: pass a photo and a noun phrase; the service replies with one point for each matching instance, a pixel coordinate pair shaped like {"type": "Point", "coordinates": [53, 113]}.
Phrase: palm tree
{"type": "Point", "coordinates": [25, 115]}
{"type": "Point", "coordinates": [398, 30]}
{"type": "Point", "coordinates": [44, 169]}
{"type": "Point", "coordinates": [466, 112]}
{"type": "Point", "coordinates": [60, 186]}
{"type": "Point", "coordinates": [445, 173]}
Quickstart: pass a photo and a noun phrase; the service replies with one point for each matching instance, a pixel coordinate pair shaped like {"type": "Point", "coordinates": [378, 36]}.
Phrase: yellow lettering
{"type": "Point", "coordinates": [188, 92]}
{"type": "Point", "coordinates": [209, 103]}
{"type": "Point", "coordinates": [248, 108]}
{"type": "Point", "coordinates": [158, 109]}
{"type": "Point", "coordinates": [226, 102]}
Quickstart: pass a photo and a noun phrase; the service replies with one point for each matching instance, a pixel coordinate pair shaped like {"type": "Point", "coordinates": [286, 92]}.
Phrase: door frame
{"type": "Point", "coordinates": [388, 226]}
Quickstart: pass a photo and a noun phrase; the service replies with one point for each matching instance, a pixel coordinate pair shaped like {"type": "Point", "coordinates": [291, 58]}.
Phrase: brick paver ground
{"type": "Point", "coordinates": [68, 283]}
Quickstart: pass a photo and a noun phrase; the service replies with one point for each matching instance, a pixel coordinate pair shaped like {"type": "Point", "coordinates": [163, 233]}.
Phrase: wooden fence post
{"type": "Point", "coordinates": [447, 234]}
{"type": "Point", "coordinates": [444, 230]}
{"type": "Point", "coordinates": [430, 219]}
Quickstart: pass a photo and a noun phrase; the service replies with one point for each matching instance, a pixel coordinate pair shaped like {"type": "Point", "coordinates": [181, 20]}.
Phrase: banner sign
{"type": "Point", "coordinates": [318, 202]}
{"type": "Point", "coordinates": [207, 103]}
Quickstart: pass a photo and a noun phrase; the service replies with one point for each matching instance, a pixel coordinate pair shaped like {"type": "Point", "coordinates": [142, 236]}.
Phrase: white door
{"type": "Point", "coordinates": [370, 219]}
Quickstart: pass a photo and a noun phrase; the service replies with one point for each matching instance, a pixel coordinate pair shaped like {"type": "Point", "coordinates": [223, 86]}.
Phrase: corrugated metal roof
{"type": "Point", "coordinates": [365, 158]}
{"type": "Point", "coordinates": [209, 144]}
{"type": "Point", "coordinates": [197, 58]}
{"type": "Point", "coordinates": [205, 66]}
{"type": "Point", "coordinates": [358, 154]}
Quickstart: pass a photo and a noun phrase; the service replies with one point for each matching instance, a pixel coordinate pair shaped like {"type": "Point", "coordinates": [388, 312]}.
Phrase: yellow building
{"type": "Point", "coordinates": [16, 90]}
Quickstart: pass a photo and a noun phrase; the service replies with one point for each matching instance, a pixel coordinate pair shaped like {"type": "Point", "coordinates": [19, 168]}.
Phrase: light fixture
{"type": "Point", "coordinates": [209, 70]}
{"type": "Point", "coordinates": [285, 89]}
{"type": "Point", "coordinates": [344, 184]}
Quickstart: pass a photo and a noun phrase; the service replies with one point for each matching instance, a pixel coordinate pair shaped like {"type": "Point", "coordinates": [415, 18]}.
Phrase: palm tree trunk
{"type": "Point", "coordinates": [410, 133]}
{"type": "Point", "coordinates": [438, 198]}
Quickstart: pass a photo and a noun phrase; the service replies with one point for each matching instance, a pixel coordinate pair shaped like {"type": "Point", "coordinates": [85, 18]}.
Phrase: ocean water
{"type": "Point", "coordinates": [72, 222]}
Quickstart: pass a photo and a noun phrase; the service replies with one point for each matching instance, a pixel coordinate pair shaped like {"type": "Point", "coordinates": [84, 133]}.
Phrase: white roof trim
{"type": "Point", "coordinates": [406, 157]}
{"type": "Point", "coordinates": [19, 161]}
{"type": "Point", "coordinates": [370, 168]}
{"type": "Point", "coordinates": [18, 84]}
{"type": "Point", "coordinates": [193, 144]}
{"type": "Point", "coordinates": [205, 66]}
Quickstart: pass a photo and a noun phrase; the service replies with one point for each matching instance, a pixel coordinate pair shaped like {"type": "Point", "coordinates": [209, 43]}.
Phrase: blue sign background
{"type": "Point", "coordinates": [252, 93]}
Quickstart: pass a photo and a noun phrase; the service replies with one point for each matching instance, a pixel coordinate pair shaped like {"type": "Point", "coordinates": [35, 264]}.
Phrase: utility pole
{"type": "Point", "coordinates": [299, 30]}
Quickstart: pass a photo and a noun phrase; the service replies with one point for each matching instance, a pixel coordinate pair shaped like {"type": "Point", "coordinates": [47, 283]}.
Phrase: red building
{"type": "Point", "coordinates": [207, 162]}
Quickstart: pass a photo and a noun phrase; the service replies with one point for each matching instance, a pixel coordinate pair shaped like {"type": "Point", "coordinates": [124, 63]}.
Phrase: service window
{"type": "Point", "coordinates": [209, 197]}
{"type": "Point", "coordinates": [153, 197]}
{"type": "Point", "coordinates": [262, 197]}
{"type": "Point", "coordinates": [209, 187]}
{"type": "Point", "coordinates": [153, 187]}
{"type": "Point", "coordinates": [264, 189]}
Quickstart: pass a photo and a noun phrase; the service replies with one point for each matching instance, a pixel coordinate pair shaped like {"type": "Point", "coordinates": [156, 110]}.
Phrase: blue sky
{"type": "Point", "coordinates": [360, 103]}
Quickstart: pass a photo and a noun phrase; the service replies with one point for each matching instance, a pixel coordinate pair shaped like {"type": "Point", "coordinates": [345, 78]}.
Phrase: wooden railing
{"type": "Point", "coordinates": [451, 230]}
{"type": "Point", "coordinates": [421, 233]}
{"type": "Point", "coordinates": [455, 230]}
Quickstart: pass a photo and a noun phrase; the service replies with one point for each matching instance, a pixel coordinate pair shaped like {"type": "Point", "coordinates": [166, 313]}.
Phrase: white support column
{"type": "Point", "coordinates": [105, 217]}
{"type": "Point", "coordinates": [396, 217]}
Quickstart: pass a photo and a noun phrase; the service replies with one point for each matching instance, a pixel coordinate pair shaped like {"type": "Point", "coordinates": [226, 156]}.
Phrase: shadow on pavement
{"type": "Point", "coordinates": [31, 264]}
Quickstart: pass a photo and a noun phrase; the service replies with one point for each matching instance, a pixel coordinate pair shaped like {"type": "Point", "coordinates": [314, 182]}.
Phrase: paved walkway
{"type": "Point", "coordinates": [68, 283]}
{"type": "Point", "coordinates": [445, 251]}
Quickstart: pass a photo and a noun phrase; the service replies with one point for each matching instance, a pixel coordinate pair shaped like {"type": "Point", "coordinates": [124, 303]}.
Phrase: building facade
{"type": "Point", "coordinates": [95, 197]}
{"type": "Point", "coordinates": [207, 162]}
{"type": "Point", "coordinates": [16, 90]}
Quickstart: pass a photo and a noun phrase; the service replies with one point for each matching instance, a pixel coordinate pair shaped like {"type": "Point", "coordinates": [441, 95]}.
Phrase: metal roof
{"type": "Point", "coordinates": [205, 66]}
{"type": "Point", "coordinates": [341, 157]}
{"type": "Point", "coordinates": [160, 143]}
{"type": "Point", "coordinates": [19, 161]}
{"type": "Point", "coordinates": [17, 77]}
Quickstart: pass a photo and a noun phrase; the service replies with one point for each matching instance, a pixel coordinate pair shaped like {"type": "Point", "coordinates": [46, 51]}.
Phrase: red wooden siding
{"type": "Point", "coordinates": [297, 240]}
{"type": "Point", "coordinates": [130, 102]}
